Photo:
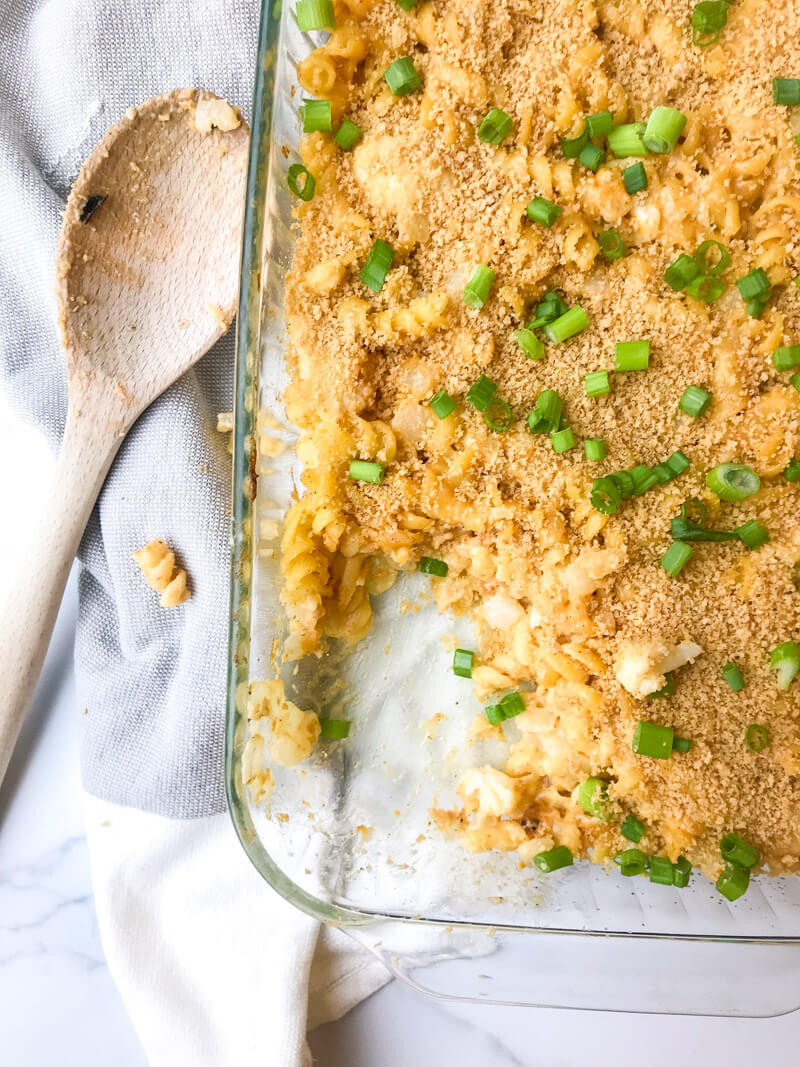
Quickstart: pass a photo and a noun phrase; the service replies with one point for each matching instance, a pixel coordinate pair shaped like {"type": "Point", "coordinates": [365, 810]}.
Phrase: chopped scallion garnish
{"type": "Point", "coordinates": [531, 345]}
{"type": "Point", "coordinates": [379, 262]}
{"type": "Point", "coordinates": [594, 449]}
{"type": "Point", "coordinates": [402, 77]}
{"type": "Point", "coordinates": [736, 850]}
{"type": "Point", "coordinates": [785, 659]}
{"type": "Point", "coordinates": [562, 440]}
{"type": "Point", "coordinates": [605, 496]}
{"type": "Point", "coordinates": [495, 127]}
{"type": "Point", "coordinates": [334, 729]}
{"type": "Point", "coordinates": [681, 272]}
{"type": "Point", "coordinates": [634, 178]}
{"type": "Point", "coordinates": [632, 355]}
{"type": "Point", "coordinates": [756, 738]}
{"type": "Point", "coordinates": [596, 383]}
{"type": "Point", "coordinates": [543, 211]}
{"type": "Point", "coordinates": [306, 190]}
{"type": "Point", "coordinates": [593, 797]}
{"type": "Point", "coordinates": [567, 325]}
{"type": "Point", "coordinates": [733, 481]}
{"type": "Point", "coordinates": [546, 415]}
{"type": "Point", "coordinates": [632, 829]}
{"type": "Point", "coordinates": [481, 393]}
{"type": "Point", "coordinates": [652, 739]}
{"type": "Point", "coordinates": [317, 116]}
{"type": "Point", "coordinates": [498, 416]}
{"type": "Point", "coordinates": [786, 91]}
{"type": "Point", "coordinates": [733, 676]}
{"type": "Point", "coordinates": [442, 404]}
{"type": "Point", "coordinates": [664, 127]}
{"type": "Point", "coordinates": [315, 15]}
{"type": "Point", "coordinates": [627, 140]}
{"type": "Point", "coordinates": [695, 401]}
{"type": "Point", "coordinates": [733, 882]}
{"type": "Point", "coordinates": [348, 135]}
{"type": "Point", "coordinates": [554, 859]}
{"type": "Point", "coordinates": [676, 557]}
{"type": "Point", "coordinates": [752, 534]}
{"type": "Point", "coordinates": [463, 661]}
{"type": "Point", "coordinates": [437, 567]}
{"type": "Point", "coordinates": [478, 286]}
{"type": "Point", "coordinates": [611, 245]}
{"type": "Point", "coordinates": [362, 470]}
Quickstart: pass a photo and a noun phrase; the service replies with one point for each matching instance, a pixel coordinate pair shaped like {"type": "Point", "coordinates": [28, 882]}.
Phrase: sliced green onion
{"type": "Point", "coordinates": [611, 245]}
{"type": "Point", "coordinates": [334, 729]}
{"type": "Point", "coordinates": [591, 157]}
{"type": "Point", "coordinates": [632, 829]}
{"type": "Point", "coordinates": [652, 739]}
{"type": "Point", "coordinates": [708, 18]}
{"type": "Point", "coordinates": [599, 124]}
{"type": "Point", "coordinates": [407, 5]}
{"type": "Point", "coordinates": [512, 704]}
{"type": "Point", "coordinates": [567, 325]}
{"type": "Point", "coordinates": [702, 260]}
{"type": "Point", "coordinates": [306, 190]}
{"type": "Point", "coordinates": [401, 76]}
{"type": "Point", "coordinates": [494, 713]}
{"type": "Point", "coordinates": [605, 496]}
{"type": "Point", "coordinates": [786, 358]}
{"type": "Point", "coordinates": [666, 690]}
{"type": "Point", "coordinates": [363, 471]}
{"type": "Point", "coordinates": [736, 850]}
{"type": "Point", "coordinates": [785, 659]}
{"type": "Point", "coordinates": [562, 440]}
{"type": "Point", "coordinates": [683, 530]}
{"type": "Point", "coordinates": [531, 345]}
{"type": "Point", "coordinates": [752, 534]}
{"type": "Point", "coordinates": [498, 416]}
{"type": "Point", "coordinates": [681, 272]}
{"type": "Point", "coordinates": [676, 557]}
{"type": "Point", "coordinates": [695, 401]}
{"type": "Point", "coordinates": [661, 871]}
{"type": "Point", "coordinates": [634, 178]}
{"type": "Point", "coordinates": [317, 116]}
{"type": "Point", "coordinates": [694, 511]}
{"type": "Point", "coordinates": [756, 738]}
{"type": "Point", "coordinates": [478, 286]}
{"type": "Point", "coordinates": [437, 567]}
{"type": "Point", "coordinates": [795, 381]}
{"type": "Point", "coordinates": [543, 211]}
{"type": "Point", "coordinates": [495, 127]}
{"type": "Point", "coordinates": [707, 288]}
{"type": "Point", "coordinates": [627, 140]}
{"type": "Point", "coordinates": [733, 481]}
{"type": "Point", "coordinates": [546, 415]}
{"type": "Point", "coordinates": [786, 91]}
{"type": "Point", "coordinates": [379, 262]}
{"type": "Point", "coordinates": [631, 862]}
{"type": "Point", "coordinates": [681, 744]}
{"type": "Point", "coordinates": [678, 463]}
{"type": "Point", "coordinates": [593, 798]}
{"type": "Point", "coordinates": [643, 479]}
{"type": "Point", "coordinates": [463, 661]}
{"type": "Point", "coordinates": [573, 147]}
{"type": "Point", "coordinates": [315, 15]}
{"type": "Point", "coordinates": [596, 383]}
{"type": "Point", "coordinates": [632, 355]}
{"type": "Point", "coordinates": [554, 859]}
{"type": "Point", "coordinates": [681, 870]}
{"type": "Point", "coordinates": [348, 135]}
{"type": "Point", "coordinates": [733, 676]}
{"type": "Point", "coordinates": [733, 882]}
{"type": "Point", "coordinates": [755, 307]}
{"type": "Point", "coordinates": [792, 472]}
{"type": "Point", "coordinates": [663, 473]}
{"type": "Point", "coordinates": [442, 404]}
{"type": "Point", "coordinates": [594, 449]}
{"type": "Point", "coordinates": [754, 284]}
{"type": "Point", "coordinates": [624, 483]}
{"type": "Point", "coordinates": [481, 393]}
{"type": "Point", "coordinates": [664, 127]}
{"type": "Point", "coordinates": [547, 310]}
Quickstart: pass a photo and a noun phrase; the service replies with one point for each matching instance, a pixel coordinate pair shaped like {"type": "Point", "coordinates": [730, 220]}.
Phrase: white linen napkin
{"type": "Point", "coordinates": [210, 962]}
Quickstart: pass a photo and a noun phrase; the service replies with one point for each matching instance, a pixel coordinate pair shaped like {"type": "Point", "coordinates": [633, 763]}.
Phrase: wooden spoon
{"type": "Point", "coordinates": [147, 281]}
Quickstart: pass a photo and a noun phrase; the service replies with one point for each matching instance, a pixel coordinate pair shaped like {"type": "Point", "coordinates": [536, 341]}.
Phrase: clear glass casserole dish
{"type": "Point", "coordinates": [347, 835]}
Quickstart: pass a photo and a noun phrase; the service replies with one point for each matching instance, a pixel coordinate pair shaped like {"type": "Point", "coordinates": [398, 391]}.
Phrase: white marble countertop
{"type": "Point", "coordinates": [58, 1003]}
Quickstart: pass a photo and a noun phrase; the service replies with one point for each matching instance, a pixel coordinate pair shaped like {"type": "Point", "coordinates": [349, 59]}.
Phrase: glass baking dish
{"type": "Point", "coordinates": [347, 836]}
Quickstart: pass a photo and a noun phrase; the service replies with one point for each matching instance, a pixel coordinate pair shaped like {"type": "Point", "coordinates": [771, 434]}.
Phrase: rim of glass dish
{"type": "Point", "coordinates": [248, 353]}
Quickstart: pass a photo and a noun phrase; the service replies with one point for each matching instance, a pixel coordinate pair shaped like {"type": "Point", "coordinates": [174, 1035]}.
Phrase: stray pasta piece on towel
{"type": "Point", "coordinates": [162, 574]}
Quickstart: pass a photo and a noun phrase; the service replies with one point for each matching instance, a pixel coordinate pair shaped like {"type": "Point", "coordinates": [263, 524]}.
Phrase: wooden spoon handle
{"type": "Point", "coordinates": [29, 615]}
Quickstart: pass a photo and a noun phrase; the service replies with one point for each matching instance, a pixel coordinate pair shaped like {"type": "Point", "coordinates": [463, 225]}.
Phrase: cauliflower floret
{"type": "Point", "coordinates": [501, 611]}
{"type": "Point", "coordinates": [487, 791]}
{"type": "Point", "coordinates": [583, 576]}
{"type": "Point", "coordinates": [641, 668]}
{"type": "Point", "coordinates": [294, 731]}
